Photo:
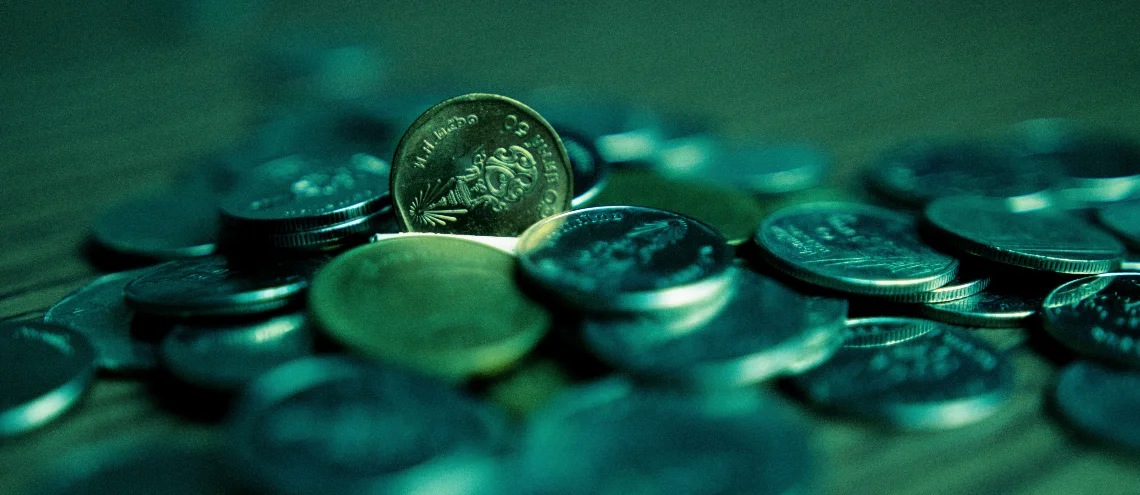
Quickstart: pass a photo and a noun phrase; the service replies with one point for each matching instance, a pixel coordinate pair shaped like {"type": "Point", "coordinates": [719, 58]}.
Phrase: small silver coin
{"type": "Point", "coordinates": [625, 258]}
{"type": "Point", "coordinates": [1123, 219]}
{"type": "Point", "coordinates": [852, 247]}
{"type": "Point", "coordinates": [45, 368]}
{"type": "Point", "coordinates": [760, 169]}
{"type": "Point", "coordinates": [227, 356]}
{"type": "Point", "coordinates": [138, 467]}
{"type": "Point", "coordinates": [99, 312]}
{"type": "Point", "coordinates": [300, 193]}
{"type": "Point", "coordinates": [1047, 239]}
{"type": "Point", "coordinates": [179, 223]}
{"type": "Point", "coordinates": [214, 286]}
{"type": "Point", "coordinates": [1101, 402]}
{"type": "Point", "coordinates": [589, 169]}
{"type": "Point", "coordinates": [965, 284]}
{"type": "Point", "coordinates": [991, 308]}
{"type": "Point", "coordinates": [764, 330]}
{"type": "Point", "coordinates": [1098, 168]}
{"type": "Point", "coordinates": [333, 236]}
{"type": "Point", "coordinates": [1098, 316]}
{"type": "Point", "coordinates": [338, 425]}
{"type": "Point", "coordinates": [921, 171]}
{"type": "Point", "coordinates": [942, 378]}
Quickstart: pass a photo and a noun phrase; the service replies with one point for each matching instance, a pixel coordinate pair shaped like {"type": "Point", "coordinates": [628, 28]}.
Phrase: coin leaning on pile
{"type": "Point", "coordinates": [360, 365]}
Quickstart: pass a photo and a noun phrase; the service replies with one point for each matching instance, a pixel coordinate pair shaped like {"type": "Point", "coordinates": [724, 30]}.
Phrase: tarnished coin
{"type": "Point", "coordinates": [942, 378]}
{"type": "Point", "coordinates": [1123, 219]}
{"type": "Point", "coordinates": [99, 312]}
{"type": "Point", "coordinates": [591, 172]}
{"type": "Point", "coordinates": [965, 284]}
{"type": "Point", "coordinates": [731, 212]}
{"type": "Point", "coordinates": [444, 306]}
{"type": "Point", "coordinates": [338, 425]}
{"type": "Point", "coordinates": [479, 164]}
{"type": "Point", "coordinates": [924, 170]}
{"type": "Point", "coordinates": [138, 467]}
{"type": "Point", "coordinates": [625, 258]}
{"type": "Point", "coordinates": [853, 248]}
{"type": "Point", "coordinates": [1098, 316]}
{"type": "Point", "coordinates": [758, 169]}
{"type": "Point", "coordinates": [45, 368]}
{"type": "Point", "coordinates": [214, 286]}
{"type": "Point", "coordinates": [179, 223]}
{"type": "Point", "coordinates": [1047, 239]}
{"type": "Point", "coordinates": [1101, 402]}
{"type": "Point", "coordinates": [995, 307]}
{"type": "Point", "coordinates": [765, 330]}
{"type": "Point", "coordinates": [225, 356]}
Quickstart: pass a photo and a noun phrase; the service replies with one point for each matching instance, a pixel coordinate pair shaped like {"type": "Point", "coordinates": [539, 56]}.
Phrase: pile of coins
{"type": "Point", "coordinates": [590, 304]}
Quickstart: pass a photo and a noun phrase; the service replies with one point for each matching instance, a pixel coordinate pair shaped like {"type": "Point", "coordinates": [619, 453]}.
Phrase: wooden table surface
{"type": "Point", "coordinates": [98, 104]}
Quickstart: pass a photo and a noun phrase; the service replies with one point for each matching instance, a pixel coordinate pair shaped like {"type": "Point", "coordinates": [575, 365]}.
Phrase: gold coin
{"type": "Point", "coordinates": [446, 307]}
{"type": "Point", "coordinates": [479, 164]}
{"type": "Point", "coordinates": [733, 213]}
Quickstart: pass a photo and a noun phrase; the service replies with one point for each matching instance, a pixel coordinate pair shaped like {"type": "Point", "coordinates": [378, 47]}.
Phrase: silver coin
{"type": "Point", "coordinates": [621, 133]}
{"type": "Point", "coordinates": [227, 356]}
{"type": "Point", "coordinates": [589, 169]}
{"type": "Point", "coordinates": [764, 330]}
{"type": "Point", "coordinates": [1048, 240]}
{"type": "Point", "coordinates": [965, 284]}
{"type": "Point", "coordinates": [179, 223]}
{"type": "Point", "coordinates": [299, 193]}
{"type": "Point", "coordinates": [942, 378]}
{"type": "Point", "coordinates": [921, 171]}
{"type": "Point", "coordinates": [333, 236]}
{"type": "Point", "coordinates": [625, 258]}
{"type": "Point", "coordinates": [1123, 219]}
{"type": "Point", "coordinates": [337, 425]}
{"type": "Point", "coordinates": [1098, 168]}
{"type": "Point", "coordinates": [1101, 402]}
{"type": "Point", "coordinates": [1098, 316]}
{"type": "Point", "coordinates": [853, 248]}
{"type": "Point", "coordinates": [137, 467]}
{"type": "Point", "coordinates": [45, 368]}
{"type": "Point", "coordinates": [883, 331]}
{"type": "Point", "coordinates": [99, 312]}
{"type": "Point", "coordinates": [214, 286]}
{"type": "Point", "coordinates": [1130, 265]}
{"type": "Point", "coordinates": [760, 169]}
{"type": "Point", "coordinates": [992, 308]}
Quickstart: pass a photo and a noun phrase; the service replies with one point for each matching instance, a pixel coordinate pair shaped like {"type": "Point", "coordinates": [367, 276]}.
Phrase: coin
{"type": "Point", "coordinates": [1123, 219]}
{"type": "Point", "coordinates": [853, 248]}
{"type": "Point", "coordinates": [882, 331]}
{"type": "Point", "coordinates": [179, 223]}
{"type": "Point", "coordinates": [479, 164]}
{"type": "Point", "coordinates": [618, 258]}
{"type": "Point", "coordinates": [1047, 240]}
{"type": "Point", "coordinates": [46, 369]}
{"type": "Point", "coordinates": [942, 378]}
{"type": "Point", "coordinates": [1101, 402]}
{"type": "Point", "coordinates": [994, 307]}
{"type": "Point", "coordinates": [138, 467]}
{"type": "Point", "coordinates": [335, 236]}
{"type": "Point", "coordinates": [99, 312]}
{"type": "Point", "coordinates": [444, 306]}
{"type": "Point", "coordinates": [731, 212]}
{"type": "Point", "coordinates": [214, 286]}
{"type": "Point", "coordinates": [591, 172]}
{"type": "Point", "coordinates": [765, 330]}
{"type": "Point", "coordinates": [921, 171]}
{"type": "Point", "coordinates": [965, 284]}
{"type": "Point", "coordinates": [1098, 316]}
{"type": "Point", "coordinates": [622, 133]}
{"type": "Point", "coordinates": [226, 356]}
{"type": "Point", "coordinates": [756, 168]}
{"type": "Point", "coordinates": [1098, 168]}
{"type": "Point", "coordinates": [338, 425]}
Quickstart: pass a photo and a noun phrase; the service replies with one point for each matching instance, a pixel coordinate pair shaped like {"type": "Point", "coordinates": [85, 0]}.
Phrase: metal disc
{"type": "Point", "coordinates": [995, 307]}
{"type": "Point", "coordinates": [179, 223]}
{"type": "Point", "coordinates": [45, 368]}
{"type": "Point", "coordinates": [1098, 168]}
{"type": "Point", "coordinates": [621, 133]}
{"type": "Point", "coordinates": [1123, 219]}
{"type": "Point", "coordinates": [333, 236]}
{"type": "Point", "coordinates": [1098, 316]}
{"type": "Point", "coordinates": [1048, 239]}
{"type": "Point", "coordinates": [965, 284]}
{"type": "Point", "coordinates": [99, 312]}
{"type": "Point", "coordinates": [625, 258]}
{"type": "Point", "coordinates": [1101, 402]}
{"type": "Point", "coordinates": [758, 169]}
{"type": "Point", "coordinates": [591, 172]}
{"type": "Point", "coordinates": [853, 248]}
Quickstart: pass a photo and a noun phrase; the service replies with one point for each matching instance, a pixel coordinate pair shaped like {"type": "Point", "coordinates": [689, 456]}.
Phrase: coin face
{"type": "Point", "coordinates": [996, 307]}
{"type": "Point", "coordinates": [854, 248]}
{"type": "Point", "coordinates": [444, 306]}
{"type": "Point", "coordinates": [99, 312]}
{"type": "Point", "coordinates": [1047, 239]}
{"type": "Point", "coordinates": [625, 258]}
{"type": "Point", "coordinates": [1098, 316]}
{"type": "Point", "coordinates": [479, 164]}
{"type": "Point", "coordinates": [46, 369]}
{"type": "Point", "coordinates": [1100, 401]}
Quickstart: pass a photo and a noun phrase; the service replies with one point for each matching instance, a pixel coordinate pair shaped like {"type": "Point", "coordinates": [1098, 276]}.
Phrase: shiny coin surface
{"type": "Point", "coordinates": [338, 425]}
{"type": "Point", "coordinates": [942, 378]}
{"type": "Point", "coordinates": [1123, 219]}
{"type": "Point", "coordinates": [1101, 402]}
{"type": "Point", "coordinates": [180, 223]}
{"type": "Point", "coordinates": [924, 170]}
{"type": "Point", "coordinates": [45, 368]}
{"type": "Point", "coordinates": [99, 312]}
{"type": "Point", "coordinates": [731, 212]}
{"type": "Point", "coordinates": [1098, 316]}
{"type": "Point", "coordinates": [138, 467]}
{"type": "Point", "coordinates": [626, 258]}
{"type": "Point", "coordinates": [965, 284]}
{"type": "Point", "coordinates": [854, 248]}
{"type": "Point", "coordinates": [765, 330]}
{"type": "Point", "coordinates": [214, 286]}
{"type": "Point", "coordinates": [227, 356]}
{"type": "Point", "coordinates": [995, 307]}
{"type": "Point", "coordinates": [444, 306]}
{"type": "Point", "coordinates": [758, 169]}
{"type": "Point", "coordinates": [1047, 240]}
{"type": "Point", "coordinates": [479, 164]}
{"type": "Point", "coordinates": [591, 172]}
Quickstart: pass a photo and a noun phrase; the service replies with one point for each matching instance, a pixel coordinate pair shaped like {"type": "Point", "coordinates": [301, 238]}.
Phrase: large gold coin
{"type": "Point", "coordinates": [443, 306]}
{"type": "Point", "coordinates": [479, 164]}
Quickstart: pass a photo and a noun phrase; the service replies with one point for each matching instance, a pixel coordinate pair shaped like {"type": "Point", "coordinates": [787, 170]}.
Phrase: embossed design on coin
{"type": "Point", "coordinates": [854, 248]}
{"type": "Point", "coordinates": [99, 312]}
{"type": "Point", "coordinates": [479, 164]}
{"type": "Point", "coordinates": [1101, 402]}
{"type": "Point", "coordinates": [625, 257]}
{"type": "Point", "coordinates": [1098, 316]}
